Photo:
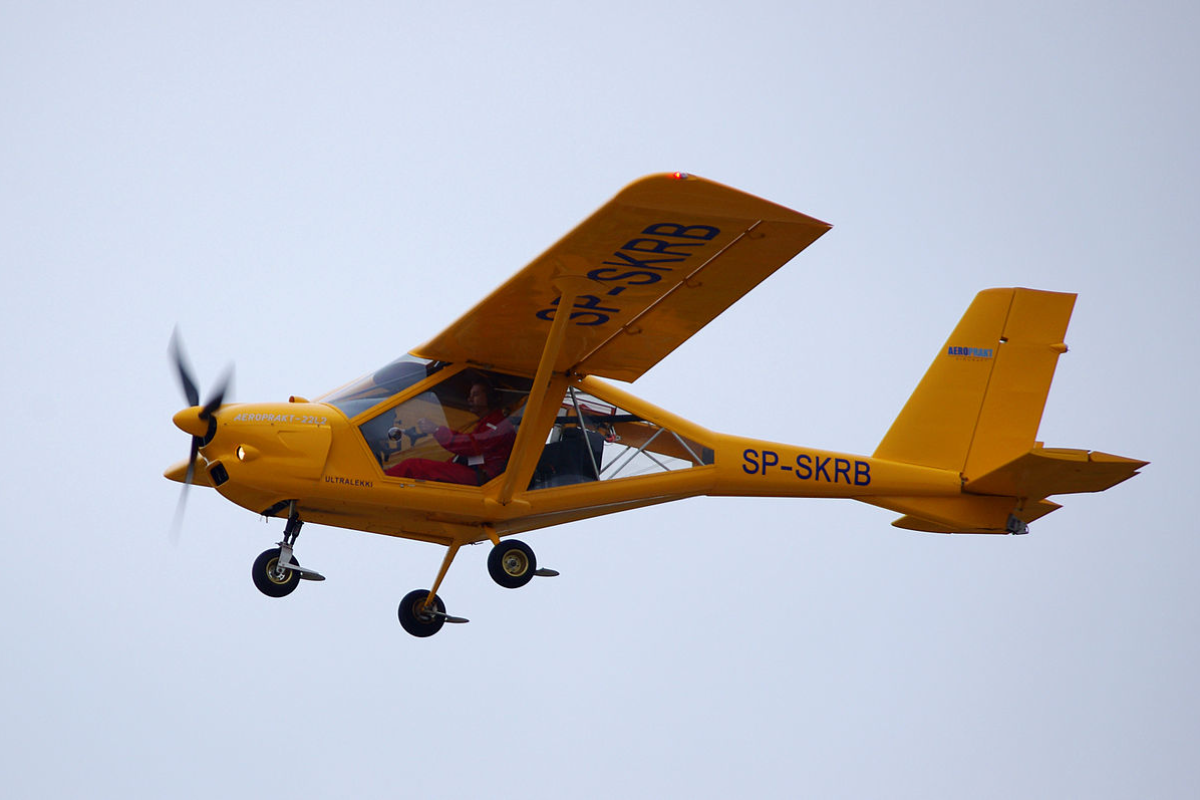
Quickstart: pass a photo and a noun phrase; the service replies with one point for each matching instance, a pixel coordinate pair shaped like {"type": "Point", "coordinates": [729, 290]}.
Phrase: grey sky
{"type": "Point", "coordinates": [310, 191]}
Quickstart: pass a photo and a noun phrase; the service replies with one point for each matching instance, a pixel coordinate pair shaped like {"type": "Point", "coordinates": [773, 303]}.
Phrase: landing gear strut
{"type": "Point", "coordinates": [511, 564]}
{"type": "Point", "coordinates": [277, 572]}
{"type": "Point", "coordinates": [422, 613]}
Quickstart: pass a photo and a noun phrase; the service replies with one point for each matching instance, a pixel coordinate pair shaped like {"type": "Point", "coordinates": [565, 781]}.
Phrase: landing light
{"type": "Point", "coordinates": [245, 452]}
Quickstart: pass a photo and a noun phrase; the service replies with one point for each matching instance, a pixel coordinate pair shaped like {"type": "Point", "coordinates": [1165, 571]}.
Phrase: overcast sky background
{"type": "Point", "coordinates": [310, 190]}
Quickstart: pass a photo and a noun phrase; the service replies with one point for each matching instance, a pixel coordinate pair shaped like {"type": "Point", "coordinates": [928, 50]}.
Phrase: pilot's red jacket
{"type": "Point", "coordinates": [480, 454]}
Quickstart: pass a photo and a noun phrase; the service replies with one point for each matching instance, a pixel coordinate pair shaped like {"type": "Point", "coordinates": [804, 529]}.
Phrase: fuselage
{"type": "Point", "coordinates": [262, 456]}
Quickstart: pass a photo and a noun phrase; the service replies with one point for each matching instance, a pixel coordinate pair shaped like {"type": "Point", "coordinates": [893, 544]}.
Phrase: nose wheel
{"type": "Point", "coordinates": [272, 577]}
{"type": "Point", "coordinates": [277, 572]}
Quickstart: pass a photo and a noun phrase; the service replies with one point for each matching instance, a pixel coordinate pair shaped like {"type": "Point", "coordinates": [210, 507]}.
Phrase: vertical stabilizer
{"type": "Point", "coordinates": [980, 403]}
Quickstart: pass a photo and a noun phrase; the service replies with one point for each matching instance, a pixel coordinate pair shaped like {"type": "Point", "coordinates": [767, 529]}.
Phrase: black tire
{"type": "Point", "coordinates": [267, 581]}
{"type": "Point", "coordinates": [512, 564]}
{"type": "Point", "coordinates": [415, 619]}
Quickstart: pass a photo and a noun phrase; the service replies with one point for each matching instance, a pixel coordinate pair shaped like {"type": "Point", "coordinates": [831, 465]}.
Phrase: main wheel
{"type": "Point", "coordinates": [416, 618]}
{"type": "Point", "coordinates": [512, 564]}
{"type": "Point", "coordinates": [270, 579]}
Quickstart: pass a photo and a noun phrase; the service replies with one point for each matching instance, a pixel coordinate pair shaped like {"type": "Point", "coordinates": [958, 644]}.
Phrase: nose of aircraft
{"type": "Point", "coordinates": [192, 420]}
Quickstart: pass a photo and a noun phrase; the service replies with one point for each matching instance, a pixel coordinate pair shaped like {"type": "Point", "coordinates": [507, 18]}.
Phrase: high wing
{"type": "Point", "coordinates": [647, 270]}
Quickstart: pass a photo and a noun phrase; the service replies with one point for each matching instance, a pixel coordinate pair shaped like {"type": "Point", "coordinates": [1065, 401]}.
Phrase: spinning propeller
{"type": "Point", "coordinates": [198, 420]}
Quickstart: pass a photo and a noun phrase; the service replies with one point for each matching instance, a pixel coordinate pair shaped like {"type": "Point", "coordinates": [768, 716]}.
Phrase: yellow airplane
{"type": "Point", "coordinates": [503, 423]}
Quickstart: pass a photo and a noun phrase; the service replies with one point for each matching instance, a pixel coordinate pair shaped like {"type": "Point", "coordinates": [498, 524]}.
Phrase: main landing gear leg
{"type": "Point", "coordinates": [422, 613]}
{"type": "Point", "coordinates": [277, 572]}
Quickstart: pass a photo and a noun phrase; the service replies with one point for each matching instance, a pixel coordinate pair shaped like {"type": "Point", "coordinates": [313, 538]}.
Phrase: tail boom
{"type": "Point", "coordinates": [750, 467]}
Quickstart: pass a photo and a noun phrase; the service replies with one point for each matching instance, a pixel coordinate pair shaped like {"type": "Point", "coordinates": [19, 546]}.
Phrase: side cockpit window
{"type": "Point", "coordinates": [593, 439]}
{"type": "Point", "coordinates": [461, 430]}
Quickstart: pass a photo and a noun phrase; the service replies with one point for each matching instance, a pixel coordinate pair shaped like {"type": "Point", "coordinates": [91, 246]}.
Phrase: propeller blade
{"type": "Point", "coordinates": [191, 471]}
{"type": "Point", "coordinates": [185, 378]}
{"type": "Point", "coordinates": [177, 525]}
{"type": "Point", "coordinates": [192, 393]}
{"type": "Point", "coordinates": [218, 395]}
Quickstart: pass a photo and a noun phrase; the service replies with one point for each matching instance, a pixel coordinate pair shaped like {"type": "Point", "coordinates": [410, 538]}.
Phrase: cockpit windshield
{"type": "Point", "coordinates": [375, 387]}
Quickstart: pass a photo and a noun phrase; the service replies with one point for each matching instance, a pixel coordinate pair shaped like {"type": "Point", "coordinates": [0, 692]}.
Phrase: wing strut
{"type": "Point", "coordinates": [569, 286]}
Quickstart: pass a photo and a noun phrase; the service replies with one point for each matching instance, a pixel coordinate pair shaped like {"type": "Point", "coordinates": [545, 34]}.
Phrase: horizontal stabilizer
{"type": "Point", "coordinates": [1046, 471]}
{"type": "Point", "coordinates": [911, 523]}
{"type": "Point", "coordinates": [963, 514]}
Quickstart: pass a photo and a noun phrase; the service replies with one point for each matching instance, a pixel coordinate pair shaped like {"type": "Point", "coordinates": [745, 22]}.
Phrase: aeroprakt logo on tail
{"type": "Point", "coordinates": [971, 352]}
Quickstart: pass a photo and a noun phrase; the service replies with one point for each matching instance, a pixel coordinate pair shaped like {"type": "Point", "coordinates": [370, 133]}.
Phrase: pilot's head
{"type": "Point", "coordinates": [481, 398]}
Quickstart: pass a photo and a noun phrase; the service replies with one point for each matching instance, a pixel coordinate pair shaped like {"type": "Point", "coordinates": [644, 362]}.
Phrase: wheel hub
{"type": "Point", "coordinates": [515, 563]}
{"type": "Point", "coordinates": [276, 573]}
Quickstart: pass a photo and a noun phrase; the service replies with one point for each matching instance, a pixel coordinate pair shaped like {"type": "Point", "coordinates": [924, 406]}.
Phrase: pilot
{"type": "Point", "coordinates": [480, 453]}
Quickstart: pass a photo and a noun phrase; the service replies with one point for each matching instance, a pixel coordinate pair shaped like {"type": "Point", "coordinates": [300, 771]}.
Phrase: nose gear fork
{"type": "Point", "coordinates": [277, 571]}
{"type": "Point", "coordinates": [291, 532]}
